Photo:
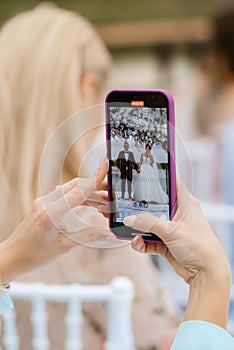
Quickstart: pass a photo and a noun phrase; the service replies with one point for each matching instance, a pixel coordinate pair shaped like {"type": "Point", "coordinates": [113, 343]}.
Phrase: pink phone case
{"type": "Point", "coordinates": [171, 119]}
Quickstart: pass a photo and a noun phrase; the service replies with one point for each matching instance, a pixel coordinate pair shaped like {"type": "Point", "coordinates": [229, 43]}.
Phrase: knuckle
{"type": "Point", "coordinates": [38, 204]}
{"type": "Point", "coordinates": [78, 186]}
{"type": "Point", "coordinates": [40, 211]}
{"type": "Point", "coordinates": [148, 222]}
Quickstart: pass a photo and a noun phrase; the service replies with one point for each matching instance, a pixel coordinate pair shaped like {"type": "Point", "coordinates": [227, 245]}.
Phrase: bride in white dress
{"type": "Point", "coordinates": [147, 186]}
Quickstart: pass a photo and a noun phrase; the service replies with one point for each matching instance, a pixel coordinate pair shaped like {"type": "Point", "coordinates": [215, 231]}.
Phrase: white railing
{"type": "Point", "coordinates": [117, 295]}
{"type": "Point", "coordinates": [220, 212]}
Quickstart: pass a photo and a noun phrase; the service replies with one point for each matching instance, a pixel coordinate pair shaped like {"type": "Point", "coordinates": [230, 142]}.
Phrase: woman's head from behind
{"type": "Point", "coordinates": [52, 64]}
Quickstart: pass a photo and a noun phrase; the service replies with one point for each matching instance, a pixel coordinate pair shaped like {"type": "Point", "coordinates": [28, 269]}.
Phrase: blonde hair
{"type": "Point", "coordinates": [43, 56]}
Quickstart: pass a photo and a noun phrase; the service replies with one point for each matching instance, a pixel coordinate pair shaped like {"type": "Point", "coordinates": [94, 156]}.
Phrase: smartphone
{"type": "Point", "coordinates": [141, 151]}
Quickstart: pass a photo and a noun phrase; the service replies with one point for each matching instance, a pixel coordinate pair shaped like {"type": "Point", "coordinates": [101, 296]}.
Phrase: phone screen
{"type": "Point", "coordinates": [138, 150]}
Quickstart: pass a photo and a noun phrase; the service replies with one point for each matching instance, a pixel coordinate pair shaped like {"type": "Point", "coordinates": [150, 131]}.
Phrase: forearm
{"type": "Point", "coordinates": [14, 260]}
{"type": "Point", "coordinates": [209, 297]}
{"type": "Point", "coordinates": [8, 264]}
{"type": "Point", "coordinates": [6, 276]}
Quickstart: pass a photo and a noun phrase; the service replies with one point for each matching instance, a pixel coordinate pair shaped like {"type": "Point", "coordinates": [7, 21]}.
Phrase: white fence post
{"type": "Point", "coordinates": [117, 295]}
{"type": "Point", "coordinates": [120, 336]}
{"type": "Point", "coordinates": [74, 325]}
{"type": "Point", "coordinates": [39, 322]}
{"type": "Point", "coordinates": [10, 335]}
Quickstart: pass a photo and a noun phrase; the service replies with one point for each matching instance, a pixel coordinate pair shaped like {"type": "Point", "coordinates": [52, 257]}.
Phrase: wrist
{"type": "Point", "coordinates": [8, 264]}
{"type": "Point", "coordinates": [209, 294]}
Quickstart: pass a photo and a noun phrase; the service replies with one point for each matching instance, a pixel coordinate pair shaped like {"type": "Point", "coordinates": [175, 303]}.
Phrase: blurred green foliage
{"type": "Point", "coordinates": [102, 11]}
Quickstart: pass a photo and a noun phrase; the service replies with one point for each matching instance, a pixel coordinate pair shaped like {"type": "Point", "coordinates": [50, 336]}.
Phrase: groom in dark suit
{"type": "Point", "coordinates": [126, 163]}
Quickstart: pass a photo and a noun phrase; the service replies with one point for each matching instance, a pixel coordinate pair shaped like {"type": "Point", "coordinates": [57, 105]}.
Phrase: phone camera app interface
{"type": "Point", "coordinates": [139, 160]}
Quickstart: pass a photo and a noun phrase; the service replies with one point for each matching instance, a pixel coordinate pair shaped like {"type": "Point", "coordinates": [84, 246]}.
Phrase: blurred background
{"type": "Point", "coordinates": [154, 41]}
{"type": "Point", "coordinates": [154, 44]}
{"type": "Point", "coordinates": [169, 44]}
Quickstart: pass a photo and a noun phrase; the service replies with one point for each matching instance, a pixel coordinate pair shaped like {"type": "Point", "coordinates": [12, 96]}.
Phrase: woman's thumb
{"type": "Point", "coordinates": [149, 223]}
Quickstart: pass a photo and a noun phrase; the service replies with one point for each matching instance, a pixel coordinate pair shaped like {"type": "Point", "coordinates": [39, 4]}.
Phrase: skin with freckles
{"type": "Point", "coordinates": [43, 236]}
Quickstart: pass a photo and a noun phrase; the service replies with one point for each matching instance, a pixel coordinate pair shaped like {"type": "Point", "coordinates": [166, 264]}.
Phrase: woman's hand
{"type": "Point", "coordinates": [195, 253]}
{"type": "Point", "coordinates": [42, 235]}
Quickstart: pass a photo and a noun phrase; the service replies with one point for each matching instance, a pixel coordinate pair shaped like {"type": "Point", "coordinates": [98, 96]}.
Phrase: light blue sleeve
{"type": "Point", "coordinates": [5, 301]}
{"type": "Point", "coordinates": [200, 335]}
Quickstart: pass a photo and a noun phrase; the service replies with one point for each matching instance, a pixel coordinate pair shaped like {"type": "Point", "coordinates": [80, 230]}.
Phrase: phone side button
{"type": "Point", "coordinates": [141, 234]}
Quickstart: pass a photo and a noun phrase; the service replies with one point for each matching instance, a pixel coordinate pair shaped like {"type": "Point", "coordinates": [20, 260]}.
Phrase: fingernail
{"type": "Point", "coordinates": [129, 220]}
{"type": "Point", "coordinates": [135, 239]}
{"type": "Point", "coordinates": [137, 244]}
